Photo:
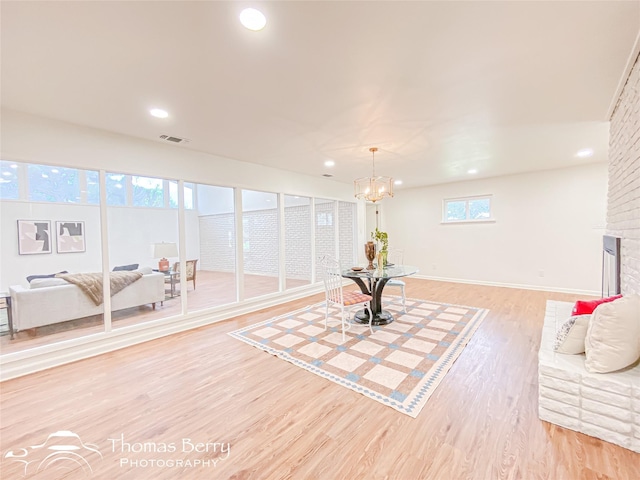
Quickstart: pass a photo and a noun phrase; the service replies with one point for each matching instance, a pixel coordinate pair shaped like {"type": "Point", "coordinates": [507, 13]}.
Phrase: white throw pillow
{"type": "Point", "coordinates": [144, 270]}
{"type": "Point", "coordinates": [571, 334]}
{"type": "Point", "coordinates": [47, 282]}
{"type": "Point", "coordinates": [613, 336]}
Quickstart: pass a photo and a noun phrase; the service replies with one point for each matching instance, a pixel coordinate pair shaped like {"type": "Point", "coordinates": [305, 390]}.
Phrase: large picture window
{"type": "Point", "coordinates": [280, 244]}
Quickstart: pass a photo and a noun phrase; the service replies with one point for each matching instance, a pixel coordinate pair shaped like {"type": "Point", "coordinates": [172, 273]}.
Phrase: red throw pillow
{"type": "Point", "coordinates": [586, 307]}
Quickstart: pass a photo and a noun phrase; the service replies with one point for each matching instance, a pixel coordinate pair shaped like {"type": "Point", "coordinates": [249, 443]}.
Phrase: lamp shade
{"type": "Point", "coordinates": [164, 250]}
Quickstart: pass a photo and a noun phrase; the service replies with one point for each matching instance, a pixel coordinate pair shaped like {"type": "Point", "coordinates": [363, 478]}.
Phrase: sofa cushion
{"type": "Point", "coordinates": [613, 336]}
{"type": "Point", "coordinates": [571, 334]}
{"type": "Point", "coordinates": [49, 275]}
{"type": "Point", "coordinates": [144, 270]}
{"type": "Point", "coordinates": [130, 267]}
{"type": "Point", "coordinates": [47, 282]}
{"type": "Point", "coordinates": [586, 307]}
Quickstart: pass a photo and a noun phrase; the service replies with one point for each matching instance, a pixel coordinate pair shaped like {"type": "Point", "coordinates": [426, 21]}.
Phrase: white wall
{"type": "Point", "coordinates": [131, 233]}
{"type": "Point", "coordinates": [39, 140]}
{"type": "Point", "coordinates": [547, 234]}
{"type": "Point", "coordinates": [14, 268]}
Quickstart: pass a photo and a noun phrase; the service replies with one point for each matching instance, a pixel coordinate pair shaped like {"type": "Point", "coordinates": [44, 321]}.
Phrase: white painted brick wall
{"type": "Point", "coordinates": [217, 239]}
{"type": "Point", "coordinates": [347, 230]}
{"type": "Point", "coordinates": [297, 242]}
{"type": "Point", "coordinates": [325, 232]}
{"type": "Point", "coordinates": [623, 206]}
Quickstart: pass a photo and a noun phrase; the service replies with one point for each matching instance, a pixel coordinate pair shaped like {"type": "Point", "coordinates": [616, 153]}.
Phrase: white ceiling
{"type": "Point", "coordinates": [440, 87]}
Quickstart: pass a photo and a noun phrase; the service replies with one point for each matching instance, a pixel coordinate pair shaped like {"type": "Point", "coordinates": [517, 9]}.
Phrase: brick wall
{"type": "Point", "coordinates": [218, 242]}
{"type": "Point", "coordinates": [347, 225]}
{"type": "Point", "coordinates": [325, 232]}
{"type": "Point", "coordinates": [297, 241]}
{"type": "Point", "coordinates": [217, 239]}
{"type": "Point", "coordinates": [261, 245]}
{"type": "Point", "coordinates": [623, 206]}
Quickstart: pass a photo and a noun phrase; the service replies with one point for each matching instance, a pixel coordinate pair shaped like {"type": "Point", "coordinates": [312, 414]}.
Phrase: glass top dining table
{"type": "Point", "coordinates": [372, 282]}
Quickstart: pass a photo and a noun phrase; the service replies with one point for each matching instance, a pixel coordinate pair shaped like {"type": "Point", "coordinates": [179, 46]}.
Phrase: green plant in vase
{"type": "Point", "coordinates": [383, 243]}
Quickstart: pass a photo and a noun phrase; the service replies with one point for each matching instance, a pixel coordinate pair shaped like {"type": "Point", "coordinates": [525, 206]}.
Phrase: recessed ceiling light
{"type": "Point", "coordinates": [472, 171]}
{"type": "Point", "coordinates": [253, 19]}
{"type": "Point", "coordinates": [398, 182]}
{"type": "Point", "coordinates": [584, 153]}
{"type": "Point", "coordinates": [159, 113]}
{"type": "Point", "coordinates": [329, 163]}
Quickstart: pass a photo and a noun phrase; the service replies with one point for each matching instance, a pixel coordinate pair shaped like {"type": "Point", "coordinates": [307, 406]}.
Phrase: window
{"type": "Point", "coordinates": [9, 189]}
{"type": "Point", "coordinates": [297, 240]}
{"type": "Point", "coordinates": [53, 184]}
{"type": "Point", "coordinates": [325, 230]}
{"type": "Point", "coordinates": [260, 243]}
{"type": "Point", "coordinates": [116, 189]}
{"type": "Point", "coordinates": [467, 209]}
{"type": "Point", "coordinates": [147, 191]}
{"type": "Point", "coordinates": [93, 187]}
{"type": "Point", "coordinates": [188, 195]}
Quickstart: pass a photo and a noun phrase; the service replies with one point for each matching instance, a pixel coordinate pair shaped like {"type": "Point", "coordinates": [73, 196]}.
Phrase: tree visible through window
{"type": "Point", "coordinates": [53, 184]}
{"type": "Point", "coordinates": [147, 191]}
{"type": "Point", "coordinates": [116, 189]}
{"type": "Point", "coordinates": [188, 195]}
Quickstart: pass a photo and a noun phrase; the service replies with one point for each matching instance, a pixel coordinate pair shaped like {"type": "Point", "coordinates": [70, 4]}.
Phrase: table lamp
{"type": "Point", "coordinates": [163, 250]}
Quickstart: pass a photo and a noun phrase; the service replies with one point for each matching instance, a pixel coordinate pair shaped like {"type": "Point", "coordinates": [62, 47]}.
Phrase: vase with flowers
{"type": "Point", "coordinates": [382, 239]}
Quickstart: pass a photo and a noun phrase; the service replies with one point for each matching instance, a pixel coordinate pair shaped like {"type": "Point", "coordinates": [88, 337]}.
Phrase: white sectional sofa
{"type": "Point", "coordinates": [602, 405]}
{"type": "Point", "coordinates": [45, 305]}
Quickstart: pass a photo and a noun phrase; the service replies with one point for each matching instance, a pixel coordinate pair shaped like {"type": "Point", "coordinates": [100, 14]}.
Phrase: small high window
{"type": "Point", "coordinates": [467, 209]}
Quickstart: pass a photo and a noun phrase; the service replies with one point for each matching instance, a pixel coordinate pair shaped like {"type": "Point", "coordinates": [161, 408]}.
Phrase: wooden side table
{"type": "Point", "coordinates": [7, 300]}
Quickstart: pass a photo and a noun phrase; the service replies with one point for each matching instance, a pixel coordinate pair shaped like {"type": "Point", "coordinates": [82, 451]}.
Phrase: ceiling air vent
{"type": "Point", "coordinates": [172, 139]}
{"type": "Point", "coordinates": [328, 175]}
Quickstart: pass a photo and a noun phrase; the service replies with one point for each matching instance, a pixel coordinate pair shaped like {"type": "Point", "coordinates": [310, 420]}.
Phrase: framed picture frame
{"type": "Point", "coordinates": [34, 237]}
{"type": "Point", "coordinates": [70, 237]}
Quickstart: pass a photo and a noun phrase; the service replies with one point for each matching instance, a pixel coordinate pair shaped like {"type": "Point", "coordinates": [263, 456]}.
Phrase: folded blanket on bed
{"type": "Point", "coordinates": [91, 283]}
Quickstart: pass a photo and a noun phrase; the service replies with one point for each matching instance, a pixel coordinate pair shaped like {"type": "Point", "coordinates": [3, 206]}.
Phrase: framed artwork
{"type": "Point", "coordinates": [70, 237]}
{"type": "Point", "coordinates": [34, 237]}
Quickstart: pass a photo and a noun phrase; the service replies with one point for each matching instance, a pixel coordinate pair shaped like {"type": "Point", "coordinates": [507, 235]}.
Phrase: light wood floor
{"type": "Point", "coordinates": [283, 422]}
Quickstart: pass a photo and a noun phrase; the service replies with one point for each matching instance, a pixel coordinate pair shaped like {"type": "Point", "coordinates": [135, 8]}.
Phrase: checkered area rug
{"type": "Point", "coordinates": [399, 365]}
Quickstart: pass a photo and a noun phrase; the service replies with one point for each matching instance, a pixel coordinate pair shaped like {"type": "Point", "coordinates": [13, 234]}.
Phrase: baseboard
{"type": "Point", "coordinates": [512, 285]}
{"type": "Point", "coordinates": [17, 364]}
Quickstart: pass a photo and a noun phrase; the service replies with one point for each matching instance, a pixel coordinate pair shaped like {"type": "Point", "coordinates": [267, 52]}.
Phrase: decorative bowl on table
{"type": "Point", "coordinates": [357, 269]}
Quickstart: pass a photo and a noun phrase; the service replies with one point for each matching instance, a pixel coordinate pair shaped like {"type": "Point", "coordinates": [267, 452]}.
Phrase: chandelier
{"type": "Point", "coordinates": [373, 188]}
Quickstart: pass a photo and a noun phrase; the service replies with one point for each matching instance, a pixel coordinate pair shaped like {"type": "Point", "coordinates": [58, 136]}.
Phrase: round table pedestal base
{"type": "Point", "coordinates": [382, 318]}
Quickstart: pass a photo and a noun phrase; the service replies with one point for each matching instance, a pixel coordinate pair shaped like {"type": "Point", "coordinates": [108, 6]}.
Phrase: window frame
{"type": "Point", "coordinates": [467, 200]}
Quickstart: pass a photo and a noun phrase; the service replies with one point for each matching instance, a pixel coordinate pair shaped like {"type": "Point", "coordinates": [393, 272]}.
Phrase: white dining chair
{"type": "Point", "coordinates": [396, 257]}
{"type": "Point", "coordinates": [336, 296]}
